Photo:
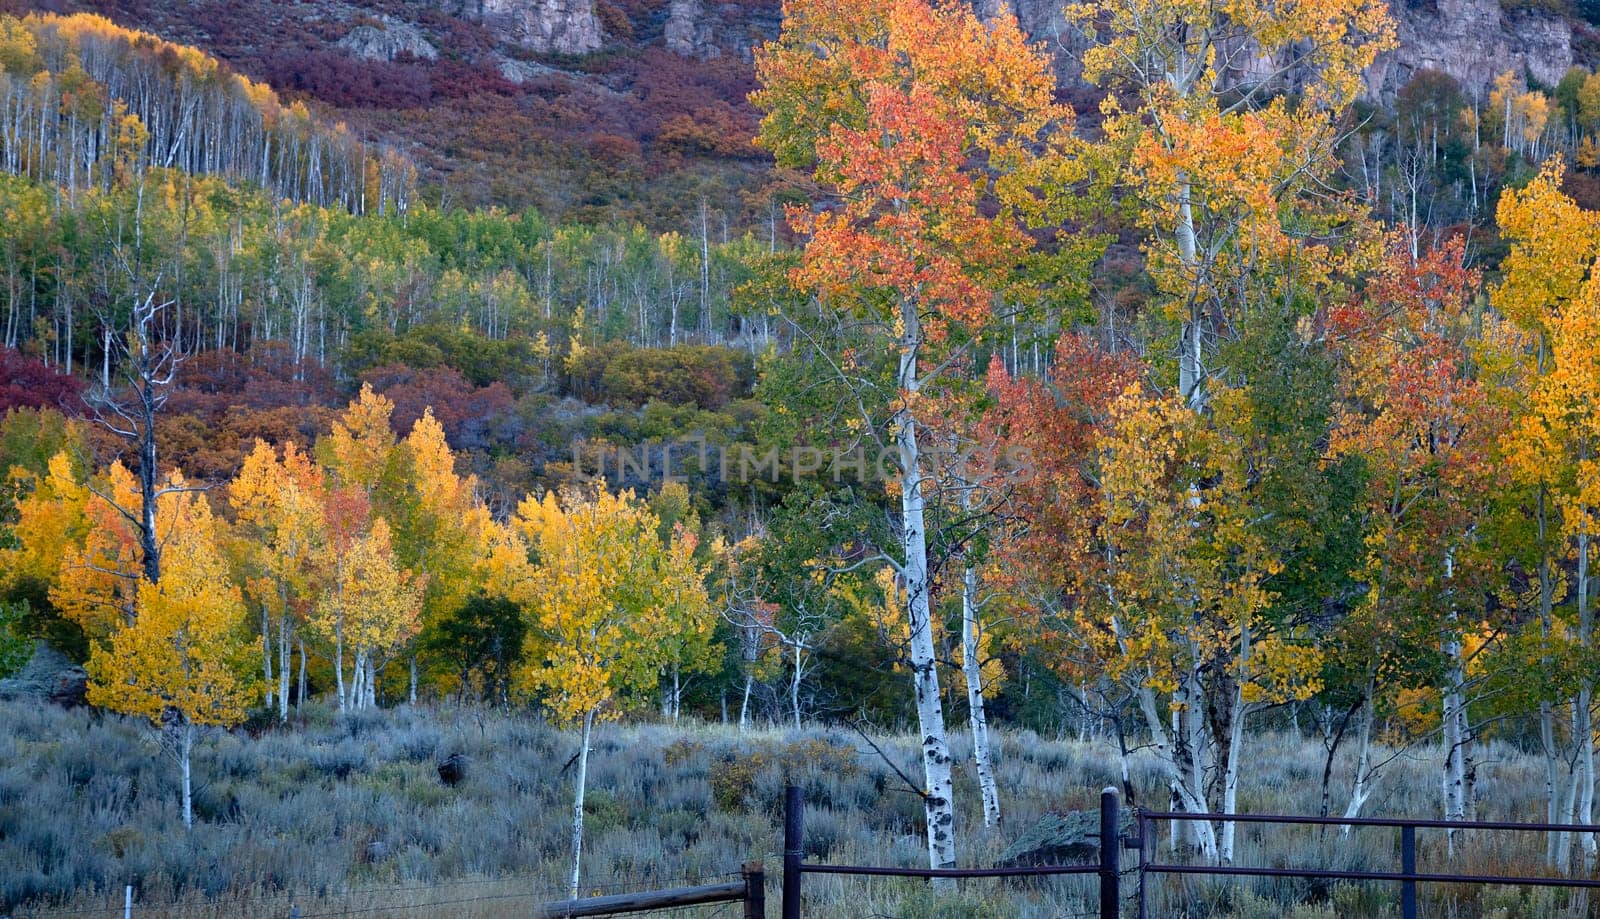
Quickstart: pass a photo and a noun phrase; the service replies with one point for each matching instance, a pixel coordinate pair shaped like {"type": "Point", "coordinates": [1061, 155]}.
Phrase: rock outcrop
{"type": "Point", "coordinates": [49, 676]}
{"type": "Point", "coordinates": [544, 26]}
{"type": "Point", "coordinates": [1059, 839]}
{"type": "Point", "coordinates": [390, 40]}
{"type": "Point", "coordinates": [1473, 41]}
{"type": "Point", "coordinates": [697, 29]}
{"type": "Point", "coordinates": [519, 72]}
{"type": "Point", "coordinates": [689, 31]}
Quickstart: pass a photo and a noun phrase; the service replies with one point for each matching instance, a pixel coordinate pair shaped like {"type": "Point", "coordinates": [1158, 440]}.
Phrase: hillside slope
{"type": "Point", "coordinates": [576, 107]}
{"type": "Point", "coordinates": [636, 109]}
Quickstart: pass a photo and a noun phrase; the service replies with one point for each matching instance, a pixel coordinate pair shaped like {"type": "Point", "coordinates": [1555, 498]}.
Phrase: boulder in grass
{"type": "Point", "coordinates": [1068, 838]}
{"type": "Point", "coordinates": [48, 676]}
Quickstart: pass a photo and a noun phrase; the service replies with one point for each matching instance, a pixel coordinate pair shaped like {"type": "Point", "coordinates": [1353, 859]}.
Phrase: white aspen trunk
{"type": "Point", "coordinates": [1191, 371]}
{"type": "Point", "coordinates": [372, 683]}
{"type": "Point", "coordinates": [357, 672]}
{"type": "Point", "coordinates": [411, 695]}
{"type": "Point", "coordinates": [185, 748]}
{"type": "Point", "coordinates": [1547, 727]}
{"type": "Point", "coordinates": [744, 704]}
{"type": "Point", "coordinates": [939, 790]}
{"type": "Point", "coordinates": [1585, 738]}
{"type": "Point", "coordinates": [1188, 753]}
{"type": "Point", "coordinates": [266, 655]}
{"type": "Point", "coordinates": [672, 327]}
{"type": "Point", "coordinates": [1184, 797]}
{"type": "Point", "coordinates": [1552, 803]}
{"type": "Point", "coordinates": [1469, 803]}
{"type": "Point", "coordinates": [300, 695]}
{"type": "Point", "coordinates": [1583, 724]}
{"type": "Point", "coordinates": [285, 661]}
{"type": "Point", "coordinates": [577, 803]}
{"type": "Point", "coordinates": [972, 667]}
{"type": "Point", "coordinates": [794, 687]}
{"type": "Point", "coordinates": [338, 666]}
{"type": "Point", "coordinates": [705, 274]}
{"type": "Point", "coordinates": [677, 693]}
{"type": "Point", "coordinates": [1568, 805]}
{"type": "Point", "coordinates": [1453, 775]}
{"type": "Point", "coordinates": [1230, 780]}
{"type": "Point", "coordinates": [1361, 786]}
{"type": "Point", "coordinates": [1230, 767]}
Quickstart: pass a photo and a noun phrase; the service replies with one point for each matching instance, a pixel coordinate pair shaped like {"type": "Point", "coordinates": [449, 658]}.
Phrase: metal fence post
{"type": "Point", "coordinates": [793, 832]}
{"type": "Point", "coordinates": [755, 891]}
{"type": "Point", "coordinates": [1110, 854]}
{"type": "Point", "coordinates": [1408, 865]}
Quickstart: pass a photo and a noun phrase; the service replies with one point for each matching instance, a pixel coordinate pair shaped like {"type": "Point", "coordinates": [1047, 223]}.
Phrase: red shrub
{"type": "Point", "coordinates": [27, 382]}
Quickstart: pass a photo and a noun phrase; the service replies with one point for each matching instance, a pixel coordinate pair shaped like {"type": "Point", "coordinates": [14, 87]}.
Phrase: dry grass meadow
{"type": "Point", "coordinates": [346, 816]}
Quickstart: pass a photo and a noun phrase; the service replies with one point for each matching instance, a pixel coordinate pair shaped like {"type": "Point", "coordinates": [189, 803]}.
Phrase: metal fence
{"type": "Point", "coordinates": [1408, 877]}
{"type": "Point", "coordinates": [749, 890]}
{"type": "Point", "coordinates": [795, 868]}
{"type": "Point", "coordinates": [1108, 867]}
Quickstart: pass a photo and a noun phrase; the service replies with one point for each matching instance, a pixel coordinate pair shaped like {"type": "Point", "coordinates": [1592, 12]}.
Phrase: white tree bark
{"type": "Point", "coordinates": [794, 685]}
{"type": "Point", "coordinates": [1363, 783]}
{"type": "Point", "coordinates": [939, 790]}
{"type": "Point", "coordinates": [185, 748]}
{"type": "Point", "coordinates": [338, 665]}
{"type": "Point", "coordinates": [268, 682]}
{"type": "Point", "coordinates": [1230, 779]}
{"type": "Point", "coordinates": [577, 803]}
{"type": "Point", "coordinates": [285, 660]}
{"type": "Point", "coordinates": [1583, 727]}
{"type": "Point", "coordinates": [972, 668]}
{"type": "Point", "coordinates": [1185, 796]}
{"type": "Point", "coordinates": [744, 703]}
{"type": "Point", "coordinates": [1453, 776]}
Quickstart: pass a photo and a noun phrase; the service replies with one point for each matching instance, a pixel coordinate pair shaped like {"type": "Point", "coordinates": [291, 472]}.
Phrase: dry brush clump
{"type": "Point", "coordinates": [349, 813]}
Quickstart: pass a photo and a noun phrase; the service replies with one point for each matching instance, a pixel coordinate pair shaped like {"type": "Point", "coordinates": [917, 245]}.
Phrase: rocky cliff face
{"type": "Point", "coordinates": [1473, 41]}
{"type": "Point", "coordinates": [545, 26]}
{"type": "Point", "coordinates": [689, 31]}
{"type": "Point", "coordinates": [696, 29]}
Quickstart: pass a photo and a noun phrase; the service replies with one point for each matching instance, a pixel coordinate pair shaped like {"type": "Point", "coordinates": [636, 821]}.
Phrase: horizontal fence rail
{"type": "Point", "coordinates": [1408, 877]}
{"type": "Point", "coordinates": [1020, 872]}
{"type": "Point", "coordinates": [749, 890]}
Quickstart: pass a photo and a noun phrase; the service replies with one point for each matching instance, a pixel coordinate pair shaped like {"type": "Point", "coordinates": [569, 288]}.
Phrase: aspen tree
{"type": "Point", "coordinates": [180, 661]}
{"type": "Point", "coordinates": [606, 598]}
{"type": "Point", "coordinates": [910, 114]}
